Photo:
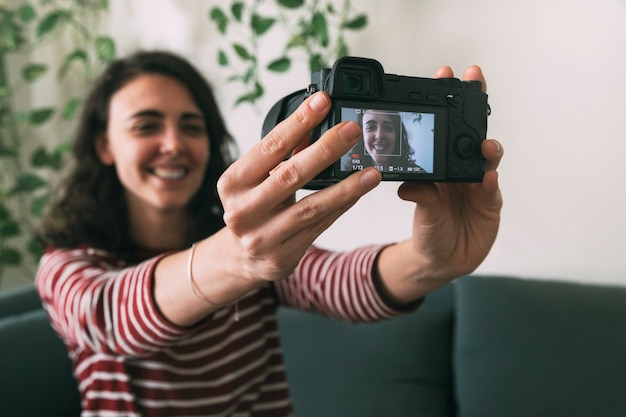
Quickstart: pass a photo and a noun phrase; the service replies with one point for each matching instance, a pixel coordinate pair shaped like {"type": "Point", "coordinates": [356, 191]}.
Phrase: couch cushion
{"type": "Point", "coordinates": [35, 371]}
{"type": "Point", "coordinates": [529, 347]}
{"type": "Point", "coordinates": [399, 367]}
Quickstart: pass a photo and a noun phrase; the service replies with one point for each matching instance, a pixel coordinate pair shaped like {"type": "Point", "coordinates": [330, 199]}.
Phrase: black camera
{"type": "Point", "coordinates": [414, 129]}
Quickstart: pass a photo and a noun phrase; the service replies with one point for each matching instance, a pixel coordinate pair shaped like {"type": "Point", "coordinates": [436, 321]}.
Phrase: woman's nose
{"type": "Point", "coordinates": [172, 142]}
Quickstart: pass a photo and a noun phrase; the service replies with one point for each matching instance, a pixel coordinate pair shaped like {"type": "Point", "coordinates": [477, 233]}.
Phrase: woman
{"type": "Point", "coordinates": [165, 262]}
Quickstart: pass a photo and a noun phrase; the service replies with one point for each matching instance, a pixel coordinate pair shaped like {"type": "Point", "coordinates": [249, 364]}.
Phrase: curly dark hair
{"type": "Point", "coordinates": [91, 208]}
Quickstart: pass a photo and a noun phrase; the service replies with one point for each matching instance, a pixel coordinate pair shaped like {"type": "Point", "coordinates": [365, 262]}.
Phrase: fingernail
{"type": "Point", "coordinates": [498, 146]}
{"type": "Point", "coordinates": [370, 178]}
{"type": "Point", "coordinates": [318, 102]}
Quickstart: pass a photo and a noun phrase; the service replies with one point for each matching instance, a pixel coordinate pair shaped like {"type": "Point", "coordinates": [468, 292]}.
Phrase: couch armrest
{"type": "Point", "coordinates": [35, 370]}
{"type": "Point", "coordinates": [535, 347]}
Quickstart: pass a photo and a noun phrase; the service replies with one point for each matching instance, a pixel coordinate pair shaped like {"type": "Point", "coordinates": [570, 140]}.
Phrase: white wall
{"type": "Point", "coordinates": [555, 72]}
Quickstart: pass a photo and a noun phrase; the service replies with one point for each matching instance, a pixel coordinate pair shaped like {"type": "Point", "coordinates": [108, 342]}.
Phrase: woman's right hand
{"type": "Point", "coordinates": [270, 229]}
{"type": "Point", "coordinates": [267, 231]}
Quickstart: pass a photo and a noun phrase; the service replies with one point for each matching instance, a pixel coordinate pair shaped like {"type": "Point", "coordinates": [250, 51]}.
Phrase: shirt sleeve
{"type": "Point", "coordinates": [93, 303]}
{"type": "Point", "coordinates": [338, 285]}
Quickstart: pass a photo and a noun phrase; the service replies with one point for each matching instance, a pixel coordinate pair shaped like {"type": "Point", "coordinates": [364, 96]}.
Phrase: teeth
{"type": "Point", "coordinates": [170, 174]}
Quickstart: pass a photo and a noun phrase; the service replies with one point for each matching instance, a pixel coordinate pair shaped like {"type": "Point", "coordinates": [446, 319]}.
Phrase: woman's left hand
{"type": "Point", "coordinates": [454, 226]}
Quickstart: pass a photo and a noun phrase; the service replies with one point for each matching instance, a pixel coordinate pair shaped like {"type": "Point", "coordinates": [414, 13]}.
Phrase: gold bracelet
{"type": "Point", "coordinates": [196, 290]}
{"type": "Point", "coordinates": [192, 282]}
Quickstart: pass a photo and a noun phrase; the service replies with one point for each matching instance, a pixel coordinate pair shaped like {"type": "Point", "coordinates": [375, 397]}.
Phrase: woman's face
{"type": "Point", "coordinates": [379, 135]}
{"type": "Point", "coordinates": [157, 140]}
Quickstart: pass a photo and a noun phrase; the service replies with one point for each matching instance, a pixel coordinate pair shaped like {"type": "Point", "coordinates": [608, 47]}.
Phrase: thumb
{"type": "Point", "coordinates": [424, 194]}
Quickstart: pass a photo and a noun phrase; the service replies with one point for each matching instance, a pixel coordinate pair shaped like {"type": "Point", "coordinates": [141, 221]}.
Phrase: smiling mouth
{"type": "Point", "coordinates": [170, 173]}
{"type": "Point", "coordinates": [380, 147]}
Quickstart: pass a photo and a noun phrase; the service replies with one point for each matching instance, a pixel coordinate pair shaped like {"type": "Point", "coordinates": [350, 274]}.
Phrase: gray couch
{"type": "Point", "coordinates": [480, 347]}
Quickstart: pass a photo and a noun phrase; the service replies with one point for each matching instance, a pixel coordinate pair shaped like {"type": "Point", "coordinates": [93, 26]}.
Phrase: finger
{"type": "Point", "coordinates": [293, 174]}
{"type": "Point", "coordinates": [303, 222]}
{"type": "Point", "coordinates": [492, 152]}
{"type": "Point", "coordinates": [475, 73]}
{"type": "Point", "coordinates": [444, 72]}
{"type": "Point", "coordinates": [254, 166]}
{"type": "Point", "coordinates": [423, 193]}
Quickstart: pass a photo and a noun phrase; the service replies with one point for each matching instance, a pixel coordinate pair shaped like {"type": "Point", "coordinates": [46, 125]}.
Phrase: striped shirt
{"type": "Point", "coordinates": [130, 360]}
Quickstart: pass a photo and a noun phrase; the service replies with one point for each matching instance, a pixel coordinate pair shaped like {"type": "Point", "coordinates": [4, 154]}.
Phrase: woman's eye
{"type": "Point", "coordinates": [194, 129]}
{"type": "Point", "coordinates": [145, 128]}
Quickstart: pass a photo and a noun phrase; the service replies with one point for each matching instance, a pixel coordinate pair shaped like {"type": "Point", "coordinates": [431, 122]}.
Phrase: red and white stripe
{"type": "Point", "coordinates": [130, 361]}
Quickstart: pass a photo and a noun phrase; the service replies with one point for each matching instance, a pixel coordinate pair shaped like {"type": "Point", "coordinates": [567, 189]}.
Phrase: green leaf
{"type": "Point", "coordinates": [40, 157]}
{"type": "Point", "coordinates": [32, 72]}
{"type": "Point", "coordinates": [63, 148]}
{"type": "Point", "coordinates": [279, 65]}
{"type": "Point", "coordinates": [10, 229]}
{"type": "Point", "coordinates": [5, 214]}
{"type": "Point", "coordinates": [38, 117]}
{"type": "Point", "coordinates": [237, 10]}
{"type": "Point", "coordinates": [316, 63]}
{"type": "Point", "coordinates": [50, 21]}
{"type": "Point", "coordinates": [35, 248]}
{"type": "Point", "coordinates": [39, 204]}
{"type": "Point", "coordinates": [249, 75]}
{"type": "Point", "coordinates": [105, 48]}
{"type": "Point", "coordinates": [10, 257]}
{"type": "Point", "coordinates": [78, 55]}
{"type": "Point", "coordinates": [27, 13]}
{"type": "Point", "coordinates": [27, 183]}
{"type": "Point", "coordinates": [296, 41]}
{"type": "Point", "coordinates": [358, 22]}
{"type": "Point", "coordinates": [320, 28]}
{"type": "Point", "coordinates": [342, 48]}
{"type": "Point", "coordinates": [218, 16]}
{"type": "Point", "coordinates": [69, 111]}
{"type": "Point", "coordinates": [7, 152]}
{"type": "Point", "coordinates": [242, 52]}
{"type": "Point", "coordinates": [261, 24]}
{"type": "Point", "coordinates": [252, 96]}
{"type": "Point", "coordinates": [291, 4]}
{"type": "Point", "coordinates": [222, 58]}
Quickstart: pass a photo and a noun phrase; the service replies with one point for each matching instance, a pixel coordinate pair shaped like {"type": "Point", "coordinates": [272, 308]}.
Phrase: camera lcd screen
{"type": "Point", "coordinates": [399, 142]}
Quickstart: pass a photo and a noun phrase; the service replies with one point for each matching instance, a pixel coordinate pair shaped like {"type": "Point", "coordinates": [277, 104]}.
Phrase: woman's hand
{"type": "Point", "coordinates": [270, 229]}
{"type": "Point", "coordinates": [454, 226]}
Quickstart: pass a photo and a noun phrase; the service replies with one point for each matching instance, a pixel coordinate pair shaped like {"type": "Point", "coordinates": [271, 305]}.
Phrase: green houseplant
{"type": "Point", "coordinates": [315, 28]}
{"type": "Point", "coordinates": [29, 160]}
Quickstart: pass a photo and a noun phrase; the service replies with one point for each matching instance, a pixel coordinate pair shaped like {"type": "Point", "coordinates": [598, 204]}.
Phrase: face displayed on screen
{"type": "Point", "coordinates": [381, 135]}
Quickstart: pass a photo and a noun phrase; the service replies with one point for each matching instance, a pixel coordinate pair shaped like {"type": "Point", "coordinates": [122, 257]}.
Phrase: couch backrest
{"type": "Point", "coordinates": [398, 368]}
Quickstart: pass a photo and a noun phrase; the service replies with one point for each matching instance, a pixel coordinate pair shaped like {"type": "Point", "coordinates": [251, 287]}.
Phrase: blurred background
{"type": "Point", "coordinates": [555, 73]}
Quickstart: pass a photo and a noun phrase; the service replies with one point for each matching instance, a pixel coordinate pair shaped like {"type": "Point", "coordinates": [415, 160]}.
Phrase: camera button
{"type": "Point", "coordinates": [454, 100]}
{"type": "Point", "coordinates": [464, 146]}
{"type": "Point", "coordinates": [415, 96]}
